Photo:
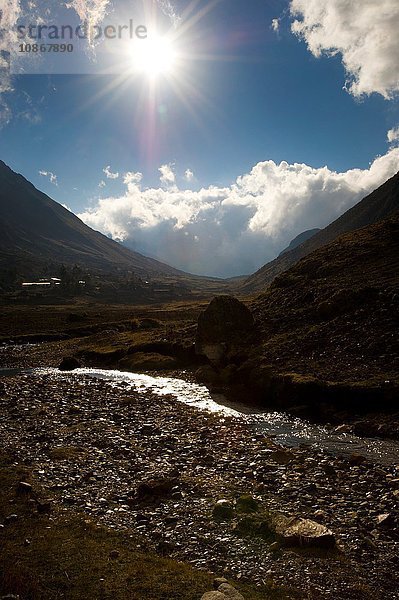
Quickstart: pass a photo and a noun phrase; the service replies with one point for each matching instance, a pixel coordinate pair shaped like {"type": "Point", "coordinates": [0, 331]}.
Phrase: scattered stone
{"type": "Point", "coordinates": [10, 519]}
{"type": "Point", "coordinates": [274, 547]}
{"type": "Point", "coordinates": [281, 457]}
{"type": "Point", "coordinates": [43, 506]}
{"type": "Point", "coordinates": [385, 520]}
{"type": "Point", "coordinates": [247, 504]}
{"type": "Point", "coordinates": [157, 488]}
{"type": "Point", "coordinates": [356, 459]}
{"type": "Point", "coordinates": [24, 487]}
{"type": "Point", "coordinates": [218, 581]}
{"type": "Point", "coordinates": [223, 511]}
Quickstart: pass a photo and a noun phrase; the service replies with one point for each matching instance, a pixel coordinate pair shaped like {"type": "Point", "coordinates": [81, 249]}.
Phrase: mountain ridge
{"type": "Point", "coordinates": [376, 206]}
{"type": "Point", "coordinates": [35, 229]}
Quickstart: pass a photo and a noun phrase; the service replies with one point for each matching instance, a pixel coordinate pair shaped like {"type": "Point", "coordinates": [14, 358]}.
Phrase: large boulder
{"type": "Point", "coordinates": [225, 323]}
{"type": "Point", "coordinates": [304, 532]}
{"type": "Point", "coordinates": [69, 363]}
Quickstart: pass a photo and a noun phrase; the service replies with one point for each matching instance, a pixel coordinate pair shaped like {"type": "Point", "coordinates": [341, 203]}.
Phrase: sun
{"type": "Point", "coordinates": [155, 56]}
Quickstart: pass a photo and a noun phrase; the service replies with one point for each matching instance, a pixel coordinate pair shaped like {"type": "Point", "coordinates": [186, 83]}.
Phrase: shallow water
{"type": "Point", "coordinates": [287, 430]}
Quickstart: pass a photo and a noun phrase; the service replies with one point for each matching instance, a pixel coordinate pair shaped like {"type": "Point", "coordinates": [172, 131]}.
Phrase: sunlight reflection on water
{"type": "Point", "coordinates": [286, 430]}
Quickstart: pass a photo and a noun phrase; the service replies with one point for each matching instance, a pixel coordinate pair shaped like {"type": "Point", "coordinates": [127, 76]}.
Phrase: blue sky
{"type": "Point", "coordinates": [244, 91]}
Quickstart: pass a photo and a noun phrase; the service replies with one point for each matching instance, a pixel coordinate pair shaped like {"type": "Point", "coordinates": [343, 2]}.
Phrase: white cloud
{"type": "Point", "coordinates": [393, 135]}
{"type": "Point", "coordinates": [102, 184]}
{"type": "Point", "coordinates": [188, 175]}
{"type": "Point", "coordinates": [131, 179]}
{"type": "Point", "coordinates": [91, 11]}
{"type": "Point", "coordinates": [276, 25]}
{"type": "Point", "coordinates": [109, 174]}
{"type": "Point", "coordinates": [168, 177]}
{"type": "Point", "coordinates": [363, 32]}
{"type": "Point", "coordinates": [234, 230]}
{"type": "Point", "coordinates": [170, 11]}
{"type": "Point", "coordinates": [52, 178]}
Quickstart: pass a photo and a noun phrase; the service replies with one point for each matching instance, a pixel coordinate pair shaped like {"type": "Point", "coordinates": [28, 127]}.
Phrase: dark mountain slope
{"type": "Point", "coordinates": [300, 239]}
{"type": "Point", "coordinates": [34, 229]}
{"type": "Point", "coordinates": [379, 205]}
{"type": "Point", "coordinates": [334, 316]}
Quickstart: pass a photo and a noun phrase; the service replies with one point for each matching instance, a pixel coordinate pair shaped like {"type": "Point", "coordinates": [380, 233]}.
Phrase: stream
{"type": "Point", "coordinates": [286, 430]}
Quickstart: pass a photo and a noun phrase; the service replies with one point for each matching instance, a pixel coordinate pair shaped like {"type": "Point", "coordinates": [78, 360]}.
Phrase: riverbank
{"type": "Point", "coordinates": [92, 446]}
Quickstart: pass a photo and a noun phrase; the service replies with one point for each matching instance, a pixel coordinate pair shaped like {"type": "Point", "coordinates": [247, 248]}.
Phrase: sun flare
{"type": "Point", "coordinates": [155, 56]}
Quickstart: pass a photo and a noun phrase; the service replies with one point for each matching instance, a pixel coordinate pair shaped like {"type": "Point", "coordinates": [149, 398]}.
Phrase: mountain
{"type": "Point", "coordinates": [378, 205]}
{"type": "Point", "coordinates": [328, 326]}
{"type": "Point", "coordinates": [36, 230]}
{"type": "Point", "coordinates": [300, 239]}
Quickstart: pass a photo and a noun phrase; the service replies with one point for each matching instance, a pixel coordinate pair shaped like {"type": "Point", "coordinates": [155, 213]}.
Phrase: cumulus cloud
{"type": "Point", "coordinates": [132, 179]}
{"type": "Point", "coordinates": [52, 178]}
{"type": "Point", "coordinates": [170, 11]}
{"type": "Point", "coordinates": [276, 25]}
{"type": "Point", "coordinates": [102, 184]}
{"type": "Point", "coordinates": [168, 178]}
{"type": "Point", "coordinates": [10, 11]}
{"type": "Point", "coordinates": [233, 230]}
{"type": "Point", "coordinates": [109, 174]}
{"type": "Point", "coordinates": [188, 175]}
{"type": "Point", "coordinates": [363, 32]}
{"type": "Point", "coordinates": [90, 11]}
{"type": "Point", "coordinates": [393, 135]}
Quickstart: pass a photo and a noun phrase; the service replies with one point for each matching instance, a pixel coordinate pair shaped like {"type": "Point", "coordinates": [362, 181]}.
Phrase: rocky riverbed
{"type": "Point", "coordinates": [144, 463]}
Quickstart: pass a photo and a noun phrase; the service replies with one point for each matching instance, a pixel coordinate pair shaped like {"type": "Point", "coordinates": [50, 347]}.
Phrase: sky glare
{"type": "Point", "coordinates": [209, 144]}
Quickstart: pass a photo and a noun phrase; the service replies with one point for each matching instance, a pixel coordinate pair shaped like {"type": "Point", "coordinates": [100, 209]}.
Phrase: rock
{"type": "Point", "coordinates": [226, 321]}
{"type": "Point", "coordinates": [148, 361]}
{"type": "Point", "coordinates": [247, 504]}
{"type": "Point", "coordinates": [11, 519]}
{"type": "Point", "coordinates": [255, 524]}
{"type": "Point", "coordinates": [385, 520]}
{"type": "Point", "coordinates": [218, 581]}
{"type": "Point", "coordinates": [274, 547]}
{"type": "Point", "coordinates": [114, 554]}
{"type": "Point", "coordinates": [223, 511]}
{"type": "Point", "coordinates": [165, 548]}
{"type": "Point", "coordinates": [24, 488]}
{"type": "Point", "coordinates": [228, 375]}
{"type": "Point", "coordinates": [356, 459]}
{"type": "Point", "coordinates": [206, 374]}
{"type": "Point", "coordinates": [343, 429]}
{"type": "Point", "coordinates": [213, 596]}
{"type": "Point", "coordinates": [157, 488]}
{"type": "Point", "coordinates": [149, 429]}
{"type": "Point", "coordinates": [69, 363]}
{"type": "Point", "coordinates": [230, 592]}
{"type": "Point", "coordinates": [304, 532]}
{"type": "Point", "coordinates": [281, 457]}
{"type": "Point", "coordinates": [43, 506]}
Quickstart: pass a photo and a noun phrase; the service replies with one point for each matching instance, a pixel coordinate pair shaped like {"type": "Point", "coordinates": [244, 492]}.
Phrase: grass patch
{"type": "Point", "coordinates": [61, 555]}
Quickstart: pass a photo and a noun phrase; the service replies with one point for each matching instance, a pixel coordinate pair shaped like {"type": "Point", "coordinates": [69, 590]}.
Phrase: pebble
{"type": "Point", "coordinates": [103, 457]}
